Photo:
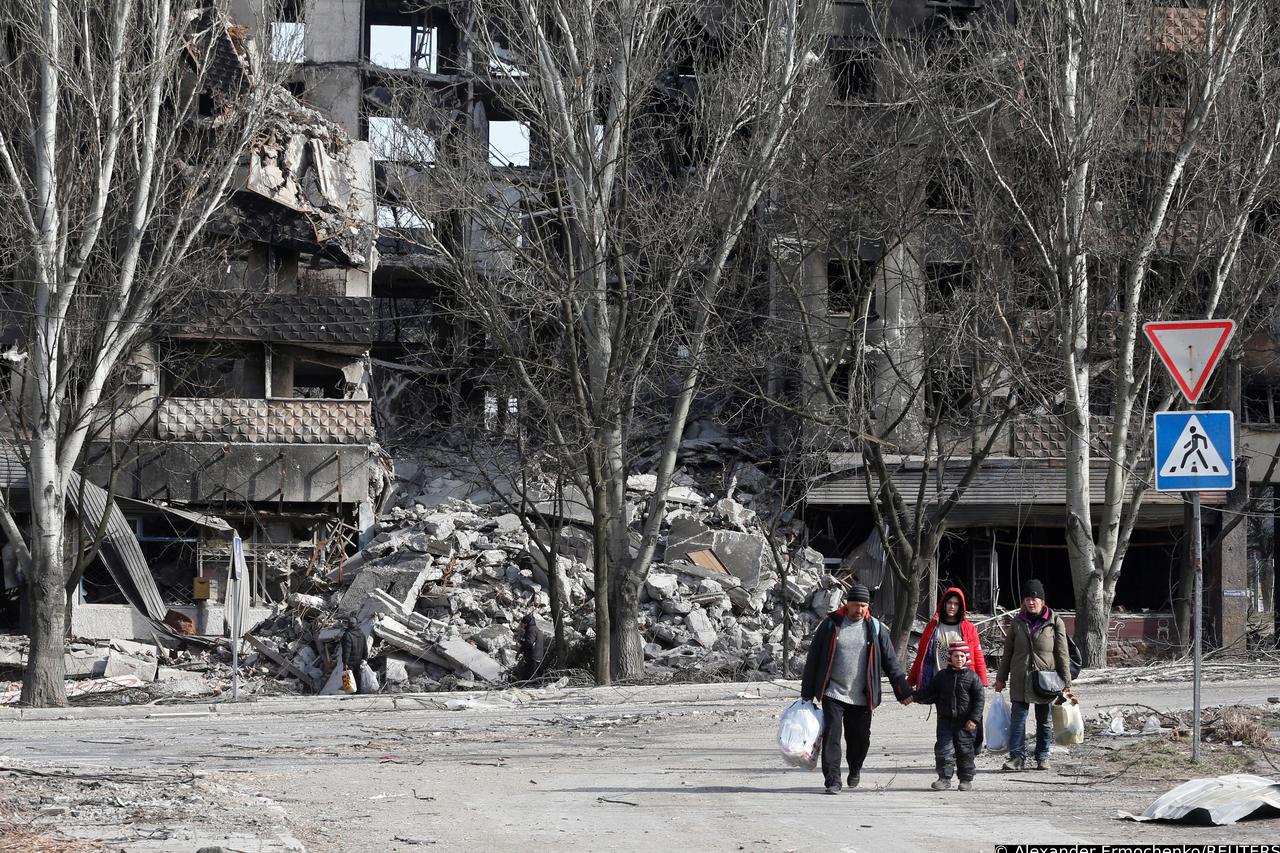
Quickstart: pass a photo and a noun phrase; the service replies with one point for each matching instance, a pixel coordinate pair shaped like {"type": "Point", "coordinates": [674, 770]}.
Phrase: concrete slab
{"type": "Point", "coordinates": [746, 556]}
{"type": "Point", "coordinates": [467, 656]}
{"type": "Point", "coordinates": [401, 576]}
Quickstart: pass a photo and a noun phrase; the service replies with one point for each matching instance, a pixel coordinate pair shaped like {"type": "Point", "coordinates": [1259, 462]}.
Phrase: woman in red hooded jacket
{"type": "Point", "coordinates": [949, 623]}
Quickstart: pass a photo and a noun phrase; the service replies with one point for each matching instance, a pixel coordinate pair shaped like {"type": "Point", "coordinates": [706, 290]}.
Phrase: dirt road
{"type": "Point", "coordinates": [692, 767]}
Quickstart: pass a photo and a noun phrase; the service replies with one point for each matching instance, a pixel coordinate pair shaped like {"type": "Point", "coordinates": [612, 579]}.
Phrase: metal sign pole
{"type": "Point", "coordinates": [236, 673]}
{"type": "Point", "coordinates": [1197, 633]}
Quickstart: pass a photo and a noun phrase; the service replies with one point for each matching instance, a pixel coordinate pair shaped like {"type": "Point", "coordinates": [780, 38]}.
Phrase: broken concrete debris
{"type": "Point", "coordinates": [453, 593]}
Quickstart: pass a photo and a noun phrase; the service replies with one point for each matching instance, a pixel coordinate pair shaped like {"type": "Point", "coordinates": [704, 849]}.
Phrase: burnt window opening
{"type": "Point", "coordinates": [318, 382]}
{"type": "Point", "coordinates": [948, 188]}
{"type": "Point", "coordinates": [414, 45]}
{"type": "Point", "coordinates": [213, 370]}
{"type": "Point", "coordinates": [1265, 218]}
{"type": "Point", "coordinates": [949, 394]}
{"type": "Point", "coordinates": [395, 140]}
{"type": "Point", "coordinates": [287, 42]}
{"type": "Point", "coordinates": [1162, 85]}
{"type": "Point", "coordinates": [853, 74]}
{"type": "Point", "coordinates": [945, 281]}
{"type": "Point", "coordinates": [848, 280]}
{"type": "Point", "coordinates": [508, 143]}
{"type": "Point", "coordinates": [1102, 395]}
{"type": "Point", "coordinates": [501, 413]}
{"type": "Point", "coordinates": [853, 381]}
{"type": "Point", "coordinates": [1261, 403]}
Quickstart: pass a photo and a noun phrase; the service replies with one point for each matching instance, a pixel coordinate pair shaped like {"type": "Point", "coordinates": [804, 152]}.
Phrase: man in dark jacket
{"type": "Point", "coordinates": [847, 655]}
{"type": "Point", "coordinates": [355, 648]}
{"type": "Point", "coordinates": [957, 692]}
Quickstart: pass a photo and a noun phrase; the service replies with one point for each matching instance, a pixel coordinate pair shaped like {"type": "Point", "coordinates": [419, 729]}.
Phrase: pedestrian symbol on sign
{"type": "Point", "coordinates": [1197, 457]}
{"type": "Point", "coordinates": [1195, 444]}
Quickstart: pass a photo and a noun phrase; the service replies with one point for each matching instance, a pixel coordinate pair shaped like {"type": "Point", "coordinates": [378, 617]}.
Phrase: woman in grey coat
{"type": "Point", "coordinates": [1035, 642]}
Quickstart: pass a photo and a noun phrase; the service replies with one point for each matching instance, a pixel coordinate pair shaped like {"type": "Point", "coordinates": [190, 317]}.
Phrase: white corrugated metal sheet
{"type": "Point", "coordinates": [1219, 801]}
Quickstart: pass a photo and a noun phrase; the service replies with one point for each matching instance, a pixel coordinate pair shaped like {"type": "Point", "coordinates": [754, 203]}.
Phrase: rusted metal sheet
{"type": "Point", "coordinates": [1218, 801]}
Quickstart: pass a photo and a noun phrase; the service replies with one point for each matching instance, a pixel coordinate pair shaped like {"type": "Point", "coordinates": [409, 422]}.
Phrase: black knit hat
{"type": "Point", "coordinates": [858, 592]}
{"type": "Point", "coordinates": [1032, 589]}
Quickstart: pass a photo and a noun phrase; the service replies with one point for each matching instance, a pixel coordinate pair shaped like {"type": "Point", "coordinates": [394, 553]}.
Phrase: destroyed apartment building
{"type": "Point", "coordinates": [249, 406]}
{"type": "Point", "coordinates": [1010, 524]}
{"type": "Point", "coordinates": [265, 405]}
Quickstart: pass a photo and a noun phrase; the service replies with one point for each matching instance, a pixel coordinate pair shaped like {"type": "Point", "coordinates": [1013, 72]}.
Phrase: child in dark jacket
{"type": "Point", "coordinates": [957, 692]}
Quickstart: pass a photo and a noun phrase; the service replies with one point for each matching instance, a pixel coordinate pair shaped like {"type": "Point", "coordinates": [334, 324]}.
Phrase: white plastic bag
{"type": "Point", "coordinates": [368, 678]}
{"type": "Point", "coordinates": [348, 681]}
{"type": "Point", "coordinates": [798, 734]}
{"type": "Point", "coordinates": [1068, 723]}
{"type": "Point", "coordinates": [998, 719]}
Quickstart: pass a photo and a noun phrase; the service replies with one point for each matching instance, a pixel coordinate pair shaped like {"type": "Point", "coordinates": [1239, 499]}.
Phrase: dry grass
{"type": "Point", "coordinates": [1166, 759]}
{"type": "Point", "coordinates": [1244, 728]}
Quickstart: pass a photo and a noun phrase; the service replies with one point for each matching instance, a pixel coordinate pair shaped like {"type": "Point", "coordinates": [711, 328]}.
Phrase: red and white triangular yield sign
{"type": "Point", "coordinates": [1190, 349]}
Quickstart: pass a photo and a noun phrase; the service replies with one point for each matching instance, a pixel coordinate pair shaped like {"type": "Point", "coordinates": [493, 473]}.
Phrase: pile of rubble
{"type": "Point", "coordinates": [453, 592]}
{"type": "Point", "coordinates": [94, 668]}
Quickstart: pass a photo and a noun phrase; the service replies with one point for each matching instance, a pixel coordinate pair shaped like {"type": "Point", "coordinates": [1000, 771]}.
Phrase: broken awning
{"type": "Point", "coordinates": [119, 551]}
{"type": "Point", "coordinates": [1004, 490]}
{"type": "Point", "coordinates": [210, 521]}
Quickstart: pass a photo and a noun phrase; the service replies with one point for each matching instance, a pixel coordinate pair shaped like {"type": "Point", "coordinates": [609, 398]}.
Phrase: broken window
{"type": "Point", "coordinates": [853, 73]}
{"type": "Point", "coordinates": [508, 143]}
{"type": "Point", "coordinates": [318, 381]}
{"type": "Point", "coordinates": [287, 41]}
{"type": "Point", "coordinates": [1261, 402]}
{"type": "Point", "coordinates": [948, 188]}
{"type": "Point", "coordinates": [212, 370]}
{"type": "Point", "coordinates": [413, 46]}
{"type": "Point", "coordinates": [949, 396]}
{"type": "Point", "coordinates": [855, 383]}
{"type": "Point", "coordinates": [945, 281]}
{"type": "Point", "coordinates": [500, 412]}
{"type": "Point", "coordinates": [847, 283]}
{"type": "Point", "coordinates": [1162, 84]}
{"type": "Point", "coordinates": [393, 139]}
{"type": "Point", "coordinates": [399, 217]}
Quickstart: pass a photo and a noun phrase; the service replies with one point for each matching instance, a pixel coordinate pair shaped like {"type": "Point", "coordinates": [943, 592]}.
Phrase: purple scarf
{"type": "Point", "coordinates": [1035, 623]}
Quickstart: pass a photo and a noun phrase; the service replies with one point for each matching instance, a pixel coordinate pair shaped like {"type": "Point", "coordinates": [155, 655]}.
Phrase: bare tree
{"type": "Point", "coordinates": [123, 127]}
{"type": "Point", "coordinates": [597, 274]}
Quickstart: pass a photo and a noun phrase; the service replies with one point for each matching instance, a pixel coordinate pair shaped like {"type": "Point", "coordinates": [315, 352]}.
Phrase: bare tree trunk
{"type": "Point", "coordinates": [43, 681]}
{"type": "Point", "coordinates": [907, 602]}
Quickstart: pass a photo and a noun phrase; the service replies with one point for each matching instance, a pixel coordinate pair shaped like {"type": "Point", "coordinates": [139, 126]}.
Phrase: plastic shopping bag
{"type": "Point", "coordinates": [1068, 723]}
{"type": "Point", "coordinates": [368, 678]}
{"type": "Point", "coordinates": [348, 681]}
{"type": "Point", "coordinates": [998, 719]}
{"type": "Point", "coordinates": [798, 734]}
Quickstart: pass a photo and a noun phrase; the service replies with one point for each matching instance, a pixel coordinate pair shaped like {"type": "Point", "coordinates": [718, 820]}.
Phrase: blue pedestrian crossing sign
{"type": "Point", "coordinates": [1195, 451]}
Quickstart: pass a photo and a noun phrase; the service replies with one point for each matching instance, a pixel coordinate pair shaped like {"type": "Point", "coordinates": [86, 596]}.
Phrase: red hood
{"type": "Point", "coordinates": [951, 591]}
